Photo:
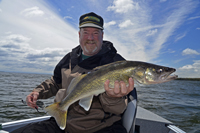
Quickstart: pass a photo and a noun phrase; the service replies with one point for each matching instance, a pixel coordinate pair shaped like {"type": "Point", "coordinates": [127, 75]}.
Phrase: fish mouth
{"type": "Point", "coordinates": [171, 77]}
{"type": "Point", "coordinates": [168, 77]}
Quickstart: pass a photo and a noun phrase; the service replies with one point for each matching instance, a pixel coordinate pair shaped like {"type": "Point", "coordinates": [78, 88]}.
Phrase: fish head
{"type": "Point", "coordinates": [158, 74]}
{"type": "Point", "coordinates": [153, 74]}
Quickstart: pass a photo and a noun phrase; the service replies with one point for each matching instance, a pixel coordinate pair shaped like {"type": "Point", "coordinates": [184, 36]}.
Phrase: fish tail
{"type": "Point", "coordinates": [59, 114]}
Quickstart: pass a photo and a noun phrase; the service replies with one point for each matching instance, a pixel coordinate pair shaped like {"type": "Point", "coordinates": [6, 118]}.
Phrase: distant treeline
{"type": "Point", "coordinates": [192, 79]}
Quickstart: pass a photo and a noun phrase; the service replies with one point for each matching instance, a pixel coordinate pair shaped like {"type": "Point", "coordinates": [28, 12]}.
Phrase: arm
{"type": "Point", "coordinates": [113, 100]}
{"type": "Point", "coordinates": [45, 90]}
{"type": "Point", "coordinates": [49, 87]}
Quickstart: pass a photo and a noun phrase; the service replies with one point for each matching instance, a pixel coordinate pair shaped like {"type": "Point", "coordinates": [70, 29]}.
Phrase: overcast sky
{"type": "Point", "coordinates": [36, 34]}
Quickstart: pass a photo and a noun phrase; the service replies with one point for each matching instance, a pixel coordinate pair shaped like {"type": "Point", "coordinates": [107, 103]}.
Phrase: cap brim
{"type": "Point", "coordinates": [91, 25]}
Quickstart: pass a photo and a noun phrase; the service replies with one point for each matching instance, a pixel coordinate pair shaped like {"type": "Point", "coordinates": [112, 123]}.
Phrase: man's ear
{"type": "Point", "coordinates": [79, 32]}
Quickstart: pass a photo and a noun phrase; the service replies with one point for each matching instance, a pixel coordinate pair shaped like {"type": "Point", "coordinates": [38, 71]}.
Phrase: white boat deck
{"type": "Point", "coordinates": [148, 122]}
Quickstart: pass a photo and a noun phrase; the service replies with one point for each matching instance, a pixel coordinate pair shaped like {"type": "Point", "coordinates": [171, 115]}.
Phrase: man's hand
{"type": "Point", "coordinates": [31, 99]}
{"type": "Point", "coordinates": [119, 89]}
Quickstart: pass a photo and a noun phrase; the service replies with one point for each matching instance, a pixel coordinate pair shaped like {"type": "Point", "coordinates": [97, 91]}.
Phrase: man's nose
{"type": "Point", "coordinates": [90, 37]}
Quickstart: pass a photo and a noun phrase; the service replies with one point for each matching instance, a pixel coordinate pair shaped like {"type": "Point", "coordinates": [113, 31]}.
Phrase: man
{"type": "Point", "coordinates": [106, 109]}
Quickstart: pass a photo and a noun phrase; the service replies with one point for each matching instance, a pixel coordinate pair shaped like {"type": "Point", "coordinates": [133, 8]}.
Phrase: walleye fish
{"type": "Point", "coordinates": [84, 87]}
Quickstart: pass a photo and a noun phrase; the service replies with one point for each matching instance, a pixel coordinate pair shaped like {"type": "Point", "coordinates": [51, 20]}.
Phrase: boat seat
{"type": "Point", "coordinates": [129, 116]}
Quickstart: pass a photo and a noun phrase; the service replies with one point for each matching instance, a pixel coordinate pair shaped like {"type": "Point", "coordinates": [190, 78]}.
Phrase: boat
{"type": "Point", "coordinates": [135, 119]}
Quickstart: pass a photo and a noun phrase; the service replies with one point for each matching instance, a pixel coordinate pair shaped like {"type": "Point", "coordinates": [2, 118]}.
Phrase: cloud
{"type": "Point", "coordinates": [48, 30]}
{"type": "Point", "coordinates": [47, 54]}
{"type": "Point", "coordinates": [67, 17]}
{"type": "Point", "coordinates": [123, 6]}
{"type": "Point", "coordinates": [109, 24]}
{"type": "Point", "coordinates": [198, 28]}
{"type": "Point", "coordinates": [125, 24]}
{"type": "Point", "coordinates": [189, 51]}
{"type": "Point", "coordinates": [140, 37]}
{"type": "Point", "coordinates": [187, 67]}
{"type": "Point", "coordinates": [32, 37]}
{"type": "Point", "coordinates": [152, 32]}
{"type": "Point", "coordinates": [15, 49]}
{"type": "Point", "coordinates": [163, 0]}
{"type": "Point", "coordinates": [0, 10]}
{"type": "Point", "coordinates": [173, 21]}
{"type": "Point", "coordinates": [180, 36]}
{"type": "Point", "coordinates": [14, 44]}
{"type": "Point", "coordinates": [190, 70]}
{"type": "Point", "coordinates": [18, 38]}
{"type": "Point", "coordinates": [31, 12]}
{"type": "Point", "coordinates": [196, 17]}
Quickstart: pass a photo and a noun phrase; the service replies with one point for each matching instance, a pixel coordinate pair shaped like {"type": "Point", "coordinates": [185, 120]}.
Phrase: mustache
{"type": "Point", "coordinates": [90, 42]}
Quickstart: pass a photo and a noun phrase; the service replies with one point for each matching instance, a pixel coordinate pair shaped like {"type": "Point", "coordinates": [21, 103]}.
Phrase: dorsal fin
{"type": "Point", "coordinates": [99, 67]}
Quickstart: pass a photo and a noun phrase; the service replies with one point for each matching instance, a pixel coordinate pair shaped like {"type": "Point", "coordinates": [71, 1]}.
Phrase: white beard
{"type": "Point", "coordinates": [88, 51]}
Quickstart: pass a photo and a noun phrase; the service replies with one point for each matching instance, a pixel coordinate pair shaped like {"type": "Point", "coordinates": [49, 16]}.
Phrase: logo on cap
{"type": "Point", "coordinates": [91, 18]}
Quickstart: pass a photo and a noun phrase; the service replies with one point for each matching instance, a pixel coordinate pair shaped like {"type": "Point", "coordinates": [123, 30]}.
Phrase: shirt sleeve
{"type": "Point", "coordinates": [113, 105]}
{"type": "Point", "coordinates": [50, 87]}
{"type": "Point", "coordinates": [47, 89]}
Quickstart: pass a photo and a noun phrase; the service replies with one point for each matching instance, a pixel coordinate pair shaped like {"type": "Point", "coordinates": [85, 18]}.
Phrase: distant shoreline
{"type": "Point", "coordinates": [191, 79]}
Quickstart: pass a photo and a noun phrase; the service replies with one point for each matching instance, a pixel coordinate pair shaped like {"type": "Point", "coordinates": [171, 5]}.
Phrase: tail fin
{"type": "Point", "coordinates": [58, 114]}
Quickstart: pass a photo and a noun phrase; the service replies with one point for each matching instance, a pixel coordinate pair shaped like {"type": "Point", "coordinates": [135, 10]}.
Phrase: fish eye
{"type": "Point", "coordinates": [159, 70]}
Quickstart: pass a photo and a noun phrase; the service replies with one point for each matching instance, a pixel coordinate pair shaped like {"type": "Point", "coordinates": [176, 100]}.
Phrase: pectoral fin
{"type": "Point", "coordinates": [86, 102]}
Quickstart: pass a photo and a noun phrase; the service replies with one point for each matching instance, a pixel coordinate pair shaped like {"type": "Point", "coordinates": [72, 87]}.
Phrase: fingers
{"type": "Point", "coordinates": [31, 99]}
{"type": "Point", "coordinates": [106, 85]}
{"type": "Point", "coordinates": [131, 85]}
{"type": "Point", "coordinates": [116, 88]}
{"type": "Point", "coordinates": [35, 97]}
{"type": "Point", "coordinates": [109, 91]}
{"type": "Point", "coordinates": [120, 89]}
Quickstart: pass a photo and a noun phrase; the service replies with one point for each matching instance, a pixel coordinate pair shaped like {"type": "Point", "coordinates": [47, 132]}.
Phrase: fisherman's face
{"type": "Point", "coordinates": [91, 40]}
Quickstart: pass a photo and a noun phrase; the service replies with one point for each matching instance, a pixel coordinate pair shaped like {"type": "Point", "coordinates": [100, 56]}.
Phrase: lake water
{"type": "Point", "coordinates": [178, 101]}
